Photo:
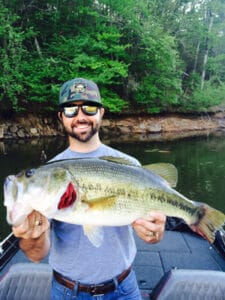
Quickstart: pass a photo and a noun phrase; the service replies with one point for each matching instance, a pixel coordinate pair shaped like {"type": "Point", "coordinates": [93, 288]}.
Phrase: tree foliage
{"type": "Point", "coordinates": [154, 55]}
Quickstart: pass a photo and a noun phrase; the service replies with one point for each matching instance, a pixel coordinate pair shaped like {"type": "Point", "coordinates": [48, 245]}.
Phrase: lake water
{"type": "Point", "coordinates": [200, 162]}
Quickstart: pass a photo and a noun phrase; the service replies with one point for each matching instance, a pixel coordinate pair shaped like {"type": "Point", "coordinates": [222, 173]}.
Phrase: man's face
{"type": "Point", "coordinates": [82, 127]}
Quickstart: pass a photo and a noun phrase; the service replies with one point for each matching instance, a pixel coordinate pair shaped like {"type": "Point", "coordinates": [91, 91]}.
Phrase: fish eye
{"type": "Point", "coordinates": [29, 173]}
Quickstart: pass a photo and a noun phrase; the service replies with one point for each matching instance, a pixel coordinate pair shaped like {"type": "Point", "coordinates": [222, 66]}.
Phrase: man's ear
{"type": "Point", "coordinates": [102, 111]}
{"type": "Point", "coordinates": [60, 116]}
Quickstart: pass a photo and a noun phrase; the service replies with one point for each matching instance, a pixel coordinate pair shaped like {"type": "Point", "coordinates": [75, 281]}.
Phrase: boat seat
{"type": "Point", "coordinates": [191, 285]}
{"type": "Point", "coordinates": [26, 281]}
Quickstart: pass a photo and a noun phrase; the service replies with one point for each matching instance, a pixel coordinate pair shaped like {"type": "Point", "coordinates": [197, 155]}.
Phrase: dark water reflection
{"type": "Point", "coordinates": [200, 162]}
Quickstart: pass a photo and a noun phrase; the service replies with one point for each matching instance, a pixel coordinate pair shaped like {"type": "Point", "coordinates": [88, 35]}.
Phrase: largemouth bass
{"type": "Point", "coordinates": [100, 192]}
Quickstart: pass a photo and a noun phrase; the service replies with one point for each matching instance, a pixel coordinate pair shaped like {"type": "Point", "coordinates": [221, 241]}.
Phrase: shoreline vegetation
{"type": "Point", "coordinates": [158, 56]}
{"type": "Point", "coordinates": [124, 127]}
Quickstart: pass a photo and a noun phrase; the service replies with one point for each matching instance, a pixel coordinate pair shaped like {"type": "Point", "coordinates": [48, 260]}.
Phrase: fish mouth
{"type": "Point", "coordinates": [9, 179]}
{"type": "Point", "coordinates": [16, 210]}
{"type": "Point", "coordinates": [8, 185]}
{"type": "Point", "coordinates": [9, 189]}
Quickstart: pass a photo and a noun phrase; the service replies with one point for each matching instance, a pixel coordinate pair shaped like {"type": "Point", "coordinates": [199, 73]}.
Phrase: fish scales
{"type": "Point", "coordinates": [119, 184]}
{"type": "Point", "coordinates": [102, 192]}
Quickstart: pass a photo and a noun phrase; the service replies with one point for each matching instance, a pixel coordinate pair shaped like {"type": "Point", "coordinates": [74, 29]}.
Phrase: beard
{"type": "Point", "coordinates": [83, 136]}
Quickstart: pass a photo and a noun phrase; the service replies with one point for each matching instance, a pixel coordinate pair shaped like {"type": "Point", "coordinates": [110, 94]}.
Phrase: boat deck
{"type": "Point", "coordinates": [178, 250]}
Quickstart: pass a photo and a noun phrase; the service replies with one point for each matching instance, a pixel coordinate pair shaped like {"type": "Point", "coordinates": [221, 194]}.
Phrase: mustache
{"type": "Point", "coordinates": [81, 122]}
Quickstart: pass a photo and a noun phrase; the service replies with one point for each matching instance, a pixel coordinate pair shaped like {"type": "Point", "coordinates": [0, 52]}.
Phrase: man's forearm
{"type": "Point", "coordinates": [36, 248]}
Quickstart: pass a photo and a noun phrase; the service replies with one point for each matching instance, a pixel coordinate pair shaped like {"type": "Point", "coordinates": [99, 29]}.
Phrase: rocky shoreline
{"type": "Point", "coordinates": [141, 126]}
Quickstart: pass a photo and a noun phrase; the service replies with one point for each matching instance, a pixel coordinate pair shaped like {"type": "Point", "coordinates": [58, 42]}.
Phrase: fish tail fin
{"type": "Point", "coordinates": [210, 220]}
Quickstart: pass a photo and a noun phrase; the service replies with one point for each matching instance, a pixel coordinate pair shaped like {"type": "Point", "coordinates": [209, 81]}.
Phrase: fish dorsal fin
{"type": "Point", "coordinates": [118, 160]}
{"type": "Point", "coordinates": [166, 171]}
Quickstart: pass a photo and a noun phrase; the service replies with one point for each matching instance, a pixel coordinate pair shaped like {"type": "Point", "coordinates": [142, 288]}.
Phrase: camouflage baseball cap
{"type": "Point", "coordinates": [79, 89]}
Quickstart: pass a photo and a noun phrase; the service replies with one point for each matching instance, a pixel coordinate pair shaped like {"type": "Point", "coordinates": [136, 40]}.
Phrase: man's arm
{"type": "Point", "coordinates": [151, 229]}
{"type": "Point", "coordinates": [34, 236]}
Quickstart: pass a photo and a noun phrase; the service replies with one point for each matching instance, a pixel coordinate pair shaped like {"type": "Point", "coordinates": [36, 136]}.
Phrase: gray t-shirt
{"type": "Point", "coordinates": [74, 256]}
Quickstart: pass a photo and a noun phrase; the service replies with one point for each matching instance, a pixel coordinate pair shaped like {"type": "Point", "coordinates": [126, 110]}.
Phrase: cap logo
{"type": "Point", "coordinates": [78, 88]}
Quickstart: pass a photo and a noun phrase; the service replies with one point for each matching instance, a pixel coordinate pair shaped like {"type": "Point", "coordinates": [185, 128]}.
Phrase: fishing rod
{"type": "Point", "coordinates": [7, 239]}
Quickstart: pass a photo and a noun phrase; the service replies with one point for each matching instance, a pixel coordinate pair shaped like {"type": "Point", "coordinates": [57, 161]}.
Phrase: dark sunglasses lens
{"type": "Point", "coordinates": [70, 111]}
{"type": "Point", "coordinates": [89, 110]}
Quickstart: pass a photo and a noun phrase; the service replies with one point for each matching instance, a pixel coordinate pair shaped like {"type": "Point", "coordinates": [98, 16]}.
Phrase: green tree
{"type": "Point", "coordinates": [12, 53]}
{"type": "Point", "coordinates": [153, 80]}
{"type": "Point", "coordinates": [157, 55]}
{"type": "Point", "coordinates": [87, 45]}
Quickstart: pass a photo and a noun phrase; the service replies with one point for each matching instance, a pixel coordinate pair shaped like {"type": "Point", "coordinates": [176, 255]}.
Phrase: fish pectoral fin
{"type": "Point", "coordinates": [95, 234]}
{"type": "Point", "coordinates": [101, 202]}
{"type": "Point", "coordinates": [165, 170]}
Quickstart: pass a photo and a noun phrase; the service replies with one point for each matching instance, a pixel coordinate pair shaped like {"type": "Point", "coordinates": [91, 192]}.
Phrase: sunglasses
{"type": "Point", "coordinates": [72, 111]}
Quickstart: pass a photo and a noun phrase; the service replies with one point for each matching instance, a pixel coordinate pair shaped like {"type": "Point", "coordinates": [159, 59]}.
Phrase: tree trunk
{"type": "Point", "coordinates": [205, 59]}
{"type": "Point", "coordinates": [196, 57]}
{"type": "Point", "coordinates": [38, 47]}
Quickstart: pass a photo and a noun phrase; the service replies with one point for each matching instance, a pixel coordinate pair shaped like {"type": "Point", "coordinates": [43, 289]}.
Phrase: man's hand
{"type": "Point", "coordinates": [33, 226]}
{"type": "Point", "coordinates": [150, 229]}
{"type": "Point", "coordinates": [34, 236]}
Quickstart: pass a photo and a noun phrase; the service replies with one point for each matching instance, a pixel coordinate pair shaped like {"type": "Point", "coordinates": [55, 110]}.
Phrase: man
{"type": "Point", "coordinates": [82, 271]}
